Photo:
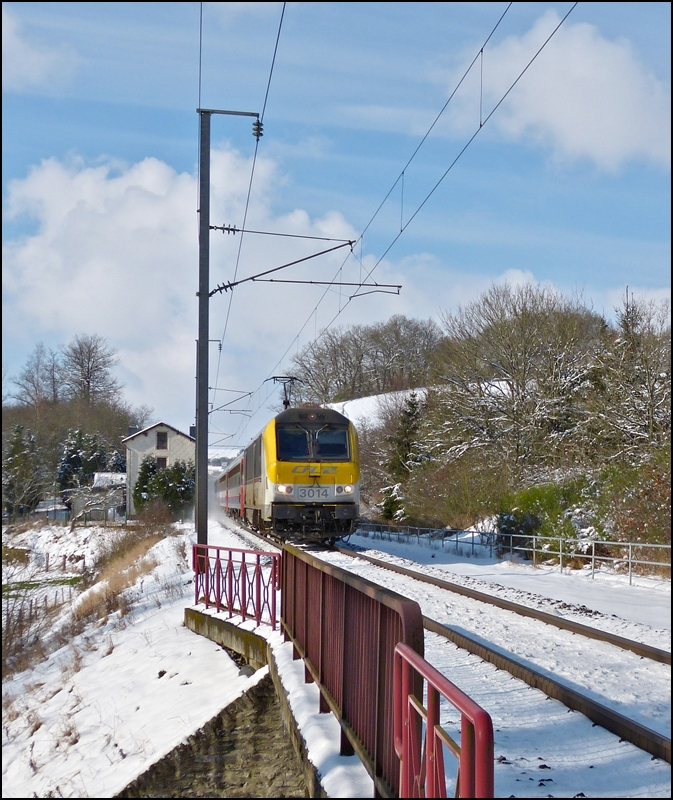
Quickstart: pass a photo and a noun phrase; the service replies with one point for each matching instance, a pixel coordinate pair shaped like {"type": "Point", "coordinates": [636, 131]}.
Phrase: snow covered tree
{"type": "Point", "coordinates": [514, 371]}
{"type": "Point", "coordinates": [22, 479]}
{"type": "Point", "coordinates": [173, 485]}
{"type": "Point", "coordinates": [116, 462]}
{"type": "Point", "coordinates": [148, 467]}
{"type": "Point", "coordinates": [634, 406]}
{"type": "Point", "coordinates": [83, 454]}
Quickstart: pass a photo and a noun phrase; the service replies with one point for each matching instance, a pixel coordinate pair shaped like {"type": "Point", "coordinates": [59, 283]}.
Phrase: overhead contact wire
{"type": "Point", "coordinates": [434, 188]}
{"type": "Point", "coordinates": [247, 203]}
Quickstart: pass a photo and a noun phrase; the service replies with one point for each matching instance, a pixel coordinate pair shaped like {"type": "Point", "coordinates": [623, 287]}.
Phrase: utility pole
{"type": "Point", "coordinates": [201, 511]}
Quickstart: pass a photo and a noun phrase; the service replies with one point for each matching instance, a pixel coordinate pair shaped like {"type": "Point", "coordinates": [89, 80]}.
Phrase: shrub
{"type": "Point", "coordinates": [174, 485]}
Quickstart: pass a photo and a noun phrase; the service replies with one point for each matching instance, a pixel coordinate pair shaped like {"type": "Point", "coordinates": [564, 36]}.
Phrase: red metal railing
{"type": "Point", "coordinates": [346, 629]}
{"type": "Point", "coordinates": [242, 582]}
{"type": "Point", "coordinates": [422, 762]}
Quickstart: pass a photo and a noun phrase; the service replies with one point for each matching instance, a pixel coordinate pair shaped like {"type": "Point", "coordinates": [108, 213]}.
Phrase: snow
{"type": "Point", "coordinates": [113, 700]}
{"type": "Point", "coordinates": [620, 679]}
{"type": "Point", "coordinates": [647, 602]}
{"type": "Point", "coordinates": [370, 410]}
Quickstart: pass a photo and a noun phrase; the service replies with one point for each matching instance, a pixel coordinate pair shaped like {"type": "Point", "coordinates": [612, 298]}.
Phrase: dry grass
{"type": "Point", "coordinates": [119, 573]}
{"type": "Point", "coordinates": [124, 560]}
{"type": "Point", "coordinates": [34, 722]}
{"type": "Point", "coordinates": [68, 733]}
{"type": "Point", "coordinates": [9, 710]}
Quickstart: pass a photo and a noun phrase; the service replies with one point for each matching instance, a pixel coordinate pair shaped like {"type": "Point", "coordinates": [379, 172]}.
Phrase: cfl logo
{"type": "Point", "coordinates": [311, 470]}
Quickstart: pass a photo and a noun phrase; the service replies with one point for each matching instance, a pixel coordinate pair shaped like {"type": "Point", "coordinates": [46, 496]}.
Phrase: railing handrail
{"type": "Point", "coordinates": [234, 549]}
{"type": "Point", "coordinates": [346, 628]}
{"type": "Point", "coordinates": [239, 586]}
{"type": "Point", "coordinates": [475, 753]}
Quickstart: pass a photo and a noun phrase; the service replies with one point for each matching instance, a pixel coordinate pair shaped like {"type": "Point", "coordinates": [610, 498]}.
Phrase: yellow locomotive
{"type": "Point", "coordinates": [298, 478]}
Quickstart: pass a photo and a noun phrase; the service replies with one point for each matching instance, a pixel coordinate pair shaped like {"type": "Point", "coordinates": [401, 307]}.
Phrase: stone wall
{"type": "Point", "coordinates": [244, 751]}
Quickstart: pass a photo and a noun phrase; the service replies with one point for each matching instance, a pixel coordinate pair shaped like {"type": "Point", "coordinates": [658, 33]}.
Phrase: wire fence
{"type": "Point", "coordinates": [567, 552]}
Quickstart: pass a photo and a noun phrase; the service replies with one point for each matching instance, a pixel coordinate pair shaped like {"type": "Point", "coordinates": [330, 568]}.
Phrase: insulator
{"type": "Point", "coordinates": [257, 129]}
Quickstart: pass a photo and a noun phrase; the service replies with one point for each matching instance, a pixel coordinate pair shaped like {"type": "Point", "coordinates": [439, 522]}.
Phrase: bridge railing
{"type": "Point", "coordinates": [420, 740]}
{"type": "Point", "coordinates": [346, 630]}
{"type": "Point", "coordinates": [242, 582]}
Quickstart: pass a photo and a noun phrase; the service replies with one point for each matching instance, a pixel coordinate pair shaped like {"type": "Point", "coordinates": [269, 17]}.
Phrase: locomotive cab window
{"type": "Point", "coordinates": [332, 443]}
{"type": "Point", "coordinates": [293, 444]}
{"type": "Point", "coordinates": [296, 443]}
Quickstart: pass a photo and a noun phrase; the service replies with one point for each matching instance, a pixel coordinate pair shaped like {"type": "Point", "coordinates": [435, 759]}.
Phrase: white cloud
{"type": "Point", "coordinates": [29, 64]}
{"type": "Point", "coordinates": [116, 253]}
{"type": "Point", "coordinates": [614, 298]}
{"type": "Point", "coordinates": [583, 97]}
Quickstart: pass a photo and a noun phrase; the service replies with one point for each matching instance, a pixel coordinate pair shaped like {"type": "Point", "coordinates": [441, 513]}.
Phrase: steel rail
{"type": "Point", "coordinates": [646, 739]}
{"type": "Point", "coordinates": [627, 729]}
{"type": "Point", "coordinates": [643, 650]}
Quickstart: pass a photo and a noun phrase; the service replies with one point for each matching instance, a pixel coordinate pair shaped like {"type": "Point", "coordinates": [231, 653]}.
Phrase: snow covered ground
{"type": "Point", "coordinates": [641, 611]}
{"type": "Point", "coordinates": [636, 687]}
{"type": "Point", "coordinates": [109, 703]}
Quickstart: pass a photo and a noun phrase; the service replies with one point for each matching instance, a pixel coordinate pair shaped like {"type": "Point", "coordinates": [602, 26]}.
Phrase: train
{"type": "Point", "coordinates": [298, 479]}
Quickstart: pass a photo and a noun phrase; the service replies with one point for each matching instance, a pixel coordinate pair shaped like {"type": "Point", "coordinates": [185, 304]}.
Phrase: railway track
{"type": "Point", "coordinates": [651, 741]}
{"type": "Point", "coordinates": [644, 650]}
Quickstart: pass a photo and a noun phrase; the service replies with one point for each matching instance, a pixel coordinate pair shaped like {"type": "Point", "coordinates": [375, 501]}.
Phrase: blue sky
{"type": "Point", "coordinates": [566, 184]}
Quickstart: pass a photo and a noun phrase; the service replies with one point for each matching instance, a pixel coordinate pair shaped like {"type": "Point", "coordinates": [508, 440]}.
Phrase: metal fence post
{"type": "Point", "coordinates": [630, 564]}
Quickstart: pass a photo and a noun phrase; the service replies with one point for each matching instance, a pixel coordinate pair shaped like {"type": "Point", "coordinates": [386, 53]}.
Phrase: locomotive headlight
{"type": "Point", "coordinates": [348, 489]}
{"type": "Point", "coordinates": [284, 488]}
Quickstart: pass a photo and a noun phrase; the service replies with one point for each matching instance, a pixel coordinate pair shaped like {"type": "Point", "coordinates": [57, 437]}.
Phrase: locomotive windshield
{"type": "Point", "coordinates": [328, 443]}
{"type": "Point", "coordinates": [293, 444]}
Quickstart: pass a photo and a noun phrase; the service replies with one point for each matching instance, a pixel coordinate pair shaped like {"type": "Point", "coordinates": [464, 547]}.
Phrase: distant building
{"type": "Point", "coordinates": [166, 443]}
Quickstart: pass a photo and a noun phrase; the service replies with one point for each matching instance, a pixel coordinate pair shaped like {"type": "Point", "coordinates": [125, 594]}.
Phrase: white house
{"type": "Point", "coordinates": [166, 443]}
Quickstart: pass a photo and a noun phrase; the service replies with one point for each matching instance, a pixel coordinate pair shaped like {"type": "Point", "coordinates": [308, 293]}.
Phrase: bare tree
{"type": "Point", "coordinates": [30, 383]}
{"type": "Point", "coordinates": [53, 385]}
{"type": "Point", "coordinates": [342, 364]}
{"type": "Point", "coordinates": [514, 367]}
{"type": "Point", "coordinates": [86, 370]}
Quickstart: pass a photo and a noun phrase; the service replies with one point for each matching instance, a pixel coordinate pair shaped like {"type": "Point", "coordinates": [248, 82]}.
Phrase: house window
{"type": "Point", "coordinates": [161, 463]}
{"type": "Point", "coordinates": [162, 440]}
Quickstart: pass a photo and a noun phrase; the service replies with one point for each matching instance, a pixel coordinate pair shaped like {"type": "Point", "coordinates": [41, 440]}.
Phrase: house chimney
{"type": "Point", "coordinates": [192, 431]}
{"type": "Point", "coordinates": [133, 429]}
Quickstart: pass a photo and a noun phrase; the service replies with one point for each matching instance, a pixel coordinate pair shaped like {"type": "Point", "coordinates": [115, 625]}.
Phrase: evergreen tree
{"type": "Point", "coordinates": [148, 468]}
{"type": "Point", "coordinates": [83, 454]}
{"type": "Point", "coordinates": [403, 443]}
{"type": "Point", "coordinates": [22, 481]}
{"type": "Point", "coordinates": [173, 486]}
{"type": "Point", "coordinates": [116, 462]}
